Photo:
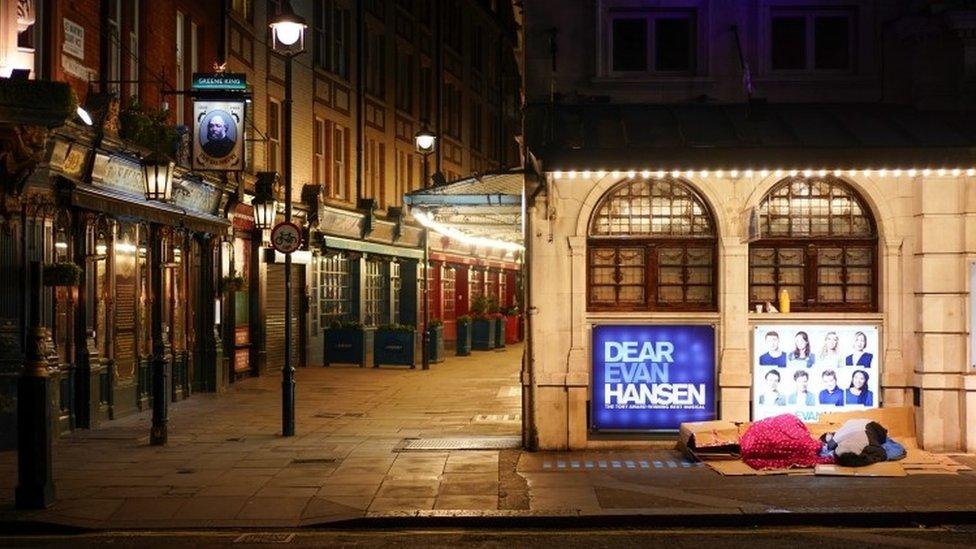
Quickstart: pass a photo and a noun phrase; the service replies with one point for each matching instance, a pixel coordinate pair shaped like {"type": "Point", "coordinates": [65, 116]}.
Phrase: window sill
{"type": "Point", "coordinates": [789, 318]}
{"type": "Point", "coordinates": [633, 317]}
{"type": "Point", "coordinates": [816, 77]}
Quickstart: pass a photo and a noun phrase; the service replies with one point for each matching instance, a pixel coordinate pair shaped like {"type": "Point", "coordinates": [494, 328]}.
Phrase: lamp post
{"type": "Point", "coordinates": [426, 142]}
{"type": "Point", "coordinates": [157, 172]}
{"type": "Point", "coordinates": [288, 40]}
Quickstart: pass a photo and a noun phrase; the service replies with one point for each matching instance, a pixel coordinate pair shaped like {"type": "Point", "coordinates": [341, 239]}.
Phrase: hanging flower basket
{"type": "Point", "coordinates": [64, 273]}
{"type": "Point", "coordinates": [231, 284]}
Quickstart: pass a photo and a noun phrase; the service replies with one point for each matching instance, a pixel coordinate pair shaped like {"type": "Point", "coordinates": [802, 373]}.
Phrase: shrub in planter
{"type": "Point", "coordinates": [348, 342]}
{"type": "Point", "coordinates": [463, 343]}
{"type": "Point", "coordinates": [435, 340]}
{"type": "Point", "coordinates": [395, 344]}
{"type": "Point", "coordinates": [64, 273]}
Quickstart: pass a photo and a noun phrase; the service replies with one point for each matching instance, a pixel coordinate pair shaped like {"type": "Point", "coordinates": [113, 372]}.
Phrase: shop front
{"type": "Point", "coordinates": [741, 282]}
{"type": "Point", "coordinates": [112, 240]}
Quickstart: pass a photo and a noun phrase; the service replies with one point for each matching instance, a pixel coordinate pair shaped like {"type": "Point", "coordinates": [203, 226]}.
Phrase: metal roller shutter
{"type": "Point", "coordinates": [275, 315]}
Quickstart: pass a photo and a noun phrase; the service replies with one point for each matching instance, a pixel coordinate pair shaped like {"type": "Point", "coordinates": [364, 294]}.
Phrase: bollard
{"type": "Point", "coordinates": [35, 436]}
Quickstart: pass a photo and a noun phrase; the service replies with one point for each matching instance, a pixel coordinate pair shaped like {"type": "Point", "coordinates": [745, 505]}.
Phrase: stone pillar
{"type": "Point", "coordinates": [940, 290]}
{"type": "Point", "coordinates": [734, 366]}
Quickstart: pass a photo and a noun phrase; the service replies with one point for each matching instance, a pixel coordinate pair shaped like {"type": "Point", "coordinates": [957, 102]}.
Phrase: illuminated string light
{"type": "Point", "coordinates": [424, 219]}
{"type": "Point", "coordinates": [764, 172]}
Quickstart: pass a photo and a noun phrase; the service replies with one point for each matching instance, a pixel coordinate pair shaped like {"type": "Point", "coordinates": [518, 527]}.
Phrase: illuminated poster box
{"type": "Point", "coordinates": [652, 377]}
{"type": "Point", "coordinates": [809, 369]}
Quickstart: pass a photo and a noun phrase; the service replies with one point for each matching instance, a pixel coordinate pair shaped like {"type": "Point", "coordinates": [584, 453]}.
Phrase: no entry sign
{"type": "Point", "coordinates": [286, 237]}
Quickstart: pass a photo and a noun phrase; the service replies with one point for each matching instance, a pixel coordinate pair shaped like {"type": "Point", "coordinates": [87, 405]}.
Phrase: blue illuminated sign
{"type": "Point", "coordinates": [652, 377]}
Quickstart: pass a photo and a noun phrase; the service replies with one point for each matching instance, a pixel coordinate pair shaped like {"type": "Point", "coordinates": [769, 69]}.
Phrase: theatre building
{"type": "Point", "coordinates": [742, 237]}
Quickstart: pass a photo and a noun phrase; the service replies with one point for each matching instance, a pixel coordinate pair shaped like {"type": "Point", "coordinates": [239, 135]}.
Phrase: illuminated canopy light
{"type": "Point", "coordinates": [84, 116]}
{"type": "Point", "coordinates": [424, 219]}
{"type": "Point", "coordinates": [778, 172]}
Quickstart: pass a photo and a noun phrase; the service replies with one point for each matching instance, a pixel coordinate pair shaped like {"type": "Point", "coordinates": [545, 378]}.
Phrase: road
{"type": "Point", "coordinates": [713, 538]}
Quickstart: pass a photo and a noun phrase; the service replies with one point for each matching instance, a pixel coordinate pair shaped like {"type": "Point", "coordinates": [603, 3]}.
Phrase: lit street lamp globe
{"type": "Point", "coordinates": [425, 141]}
{"type": "Point", "coordinates": [288, 28]}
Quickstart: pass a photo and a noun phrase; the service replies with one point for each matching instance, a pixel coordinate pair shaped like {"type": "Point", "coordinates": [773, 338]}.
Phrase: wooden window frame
{"type": "Point", "coordinates": [812, 244]}
{"type": "Point", "coordinates": [701, 234]}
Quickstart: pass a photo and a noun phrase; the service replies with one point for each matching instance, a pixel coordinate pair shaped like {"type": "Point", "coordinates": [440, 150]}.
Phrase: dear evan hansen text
{"type": "Point", "coordinates": [652, 377]}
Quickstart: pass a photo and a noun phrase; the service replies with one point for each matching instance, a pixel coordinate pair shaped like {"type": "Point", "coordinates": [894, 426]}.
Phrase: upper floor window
{"type": "Point", "coordinates": [376, 64]}
{"type": "Point", "coordinates": [819, 243]}
{"type": "Point", "coordinates": [652, 246]}
{"type": "Point", "coordinates": [330, 48]}
{"type": "Point", "coordinates": [243, 9]}
{"type": "Point", "coordinates": [811, 40]}
{"type": "Point", "coordinates": [659, 41]}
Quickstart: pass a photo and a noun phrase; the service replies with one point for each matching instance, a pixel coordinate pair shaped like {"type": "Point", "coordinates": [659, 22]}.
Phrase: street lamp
{"type": "Point", "coordinates": [288, 39]}
{"type": "Point", "coordinates": [264, 203]}
{"type": "Point", "coordinates": [157, 172]}
{"type": "Point", "coordinates": [426, 142]}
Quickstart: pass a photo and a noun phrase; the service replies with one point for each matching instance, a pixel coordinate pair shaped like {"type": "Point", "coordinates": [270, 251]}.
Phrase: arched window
{"type": "Point", "coordinates": [651, 246]}
{"type": "Point", "coordinates": [818, 241]}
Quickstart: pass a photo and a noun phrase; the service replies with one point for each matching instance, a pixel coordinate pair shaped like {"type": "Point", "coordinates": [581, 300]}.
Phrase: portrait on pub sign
{"type": "Point", "coordinates": [218, 142]}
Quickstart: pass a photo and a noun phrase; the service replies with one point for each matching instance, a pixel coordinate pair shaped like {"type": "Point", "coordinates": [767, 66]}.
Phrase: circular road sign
{"type": "Point", "coordinates": [286, 237]}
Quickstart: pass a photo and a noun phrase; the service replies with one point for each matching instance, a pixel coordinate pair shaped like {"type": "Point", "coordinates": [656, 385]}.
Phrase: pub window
{"type": "Point", "coordinates": [652, 246]}
{"type": "Point", "coordinates": [376, 64]}
{"type": "Point", "coordinates": [811, 40]}
{"type": "Point", "coordinates": [335, 288]}
{"type": "Point", "coordinates": [395, 285]}
{"type": "Point", "coordinates": [652, 41]}
{"type": "Point", "coordinates": [818, 242]}
{"type": "Point", "coordinates": [448, 292]}
{"type": "Point", "coordinates": [375, 294]}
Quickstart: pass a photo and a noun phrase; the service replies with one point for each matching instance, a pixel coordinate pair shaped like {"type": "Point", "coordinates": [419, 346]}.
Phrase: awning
{"type": "Point", "coordinates": [117, 204]}
{"type": "Point", "coordinates": [487, 206]}
{"type": "Point", "coordinates": [339, 243]}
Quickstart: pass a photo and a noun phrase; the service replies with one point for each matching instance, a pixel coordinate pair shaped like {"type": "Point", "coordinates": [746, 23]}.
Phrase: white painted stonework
{"type": "Point", "coordinates": [927, 239]}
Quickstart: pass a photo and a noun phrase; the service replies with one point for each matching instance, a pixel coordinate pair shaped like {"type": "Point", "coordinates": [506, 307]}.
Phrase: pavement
{"type": "Point", "coordinates": [385, 448]}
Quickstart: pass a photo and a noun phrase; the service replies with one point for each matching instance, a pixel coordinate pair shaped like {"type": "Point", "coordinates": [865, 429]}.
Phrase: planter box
{"type": "Point", "coordinates": [394, 347]}
{"type": "Point", "coordinates": [500, 332]}
{"type": "Point", "coordinates": [463, 343]}
{"type": "Point", "coordinates": [435, 344]}
{"type": "Point", "coordinates": [512, 329]}
{"type": "Point", "coordinates": [348, 346]}
{"type": "Point", "coordinates": [483, 334]}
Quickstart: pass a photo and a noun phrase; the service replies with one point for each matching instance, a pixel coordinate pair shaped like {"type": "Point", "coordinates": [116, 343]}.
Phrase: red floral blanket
{"type": "Point", "coordinates": [780, 442]}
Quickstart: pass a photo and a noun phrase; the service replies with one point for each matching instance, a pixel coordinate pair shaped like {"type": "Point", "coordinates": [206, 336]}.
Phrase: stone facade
{"type": "Point", "coordinates": [925, 219]}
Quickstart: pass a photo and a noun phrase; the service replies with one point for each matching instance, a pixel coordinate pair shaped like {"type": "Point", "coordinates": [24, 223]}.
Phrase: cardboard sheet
{"type": "Point", "coordinates": [717, 444]}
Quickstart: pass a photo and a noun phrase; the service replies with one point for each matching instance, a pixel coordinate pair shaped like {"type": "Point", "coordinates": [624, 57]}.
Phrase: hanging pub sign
{"type": "Point", "coordinates": [652, 377]}
{"type": "Point", "coordinates": [809, 369]}
{"type": "Point", "coordinates": [218, 135]}
{"type": "Point", "coordinates": [218, 121]}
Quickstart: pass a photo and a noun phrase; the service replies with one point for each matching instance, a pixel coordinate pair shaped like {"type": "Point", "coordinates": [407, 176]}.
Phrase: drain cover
{"type": "Point", "coordinates": [475, 443]}
{"type": "Point", "coordinates": [265, 537]}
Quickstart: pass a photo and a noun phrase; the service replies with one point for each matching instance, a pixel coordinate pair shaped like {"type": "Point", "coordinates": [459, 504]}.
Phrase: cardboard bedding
{"type": "Point", "coordinates": [717, 444]}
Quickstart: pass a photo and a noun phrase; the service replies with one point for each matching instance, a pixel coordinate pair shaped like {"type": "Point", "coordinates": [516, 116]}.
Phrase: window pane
{"type": "Point", "coordinates": [763, 294]}
{"type": "Point", "coordinates": [699, 275]}
{"type": "Point", "coordinates": [792, 275]}
{"type": "Point", "coordinates": [670, 294]}
{"type": "Point", "coordinates": [830, 294]}
{"type": "Point", "coordinates": [630, 44]}
{"type": "Point", "coordinates": [858, 294]}
{"type": "Point", "coordinates": [830, 275]}
{"type": "Point", "coordinates": [858, 275]}
{"type": "Point", "coordinates": [632, 294]}
{"type": "Point", "coordinates": [669, 275]}
{"type": "Point", "coordinates": [602, 294]}
{"type": "Point", "coordinates": [796, 292]}
{"type": "Point", "coordinates": [673, 45]}
{"type": "Point", "coordinates": [789, 43]}
{"type": "Point", "coordinates": [763, 275]}
{"type": "Point", "coordinates": [699, 294]}
{"type": "Point", "coordinates": [832, 43]}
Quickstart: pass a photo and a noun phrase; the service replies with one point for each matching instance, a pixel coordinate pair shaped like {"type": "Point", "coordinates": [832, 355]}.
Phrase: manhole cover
{"type": "Point", "coordinates": [269, 537]}
{"type": "Point", "coordinates": [475, 443]}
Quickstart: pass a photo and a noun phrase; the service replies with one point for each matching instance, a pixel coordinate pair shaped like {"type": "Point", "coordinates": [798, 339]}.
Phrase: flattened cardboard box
{"type": "Point", "coordinates": [721, 440]}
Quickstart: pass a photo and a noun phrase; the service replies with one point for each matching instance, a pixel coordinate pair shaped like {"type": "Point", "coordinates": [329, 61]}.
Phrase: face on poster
{"type": "Point", "coordinates": [811, 369]}
{"type": "Point", "coordinates": [652, 377]}
{"type": "Point", "coordinates": [218, 142]}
